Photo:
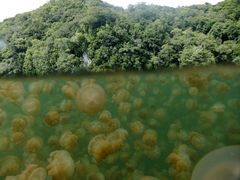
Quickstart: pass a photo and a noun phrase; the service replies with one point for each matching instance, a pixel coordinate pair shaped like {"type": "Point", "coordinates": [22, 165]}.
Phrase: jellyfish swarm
{"type": "Point", "coordinates": [220, 164]}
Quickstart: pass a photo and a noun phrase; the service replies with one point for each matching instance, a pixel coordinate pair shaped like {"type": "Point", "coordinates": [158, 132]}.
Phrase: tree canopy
{"type": "Point", "coordinates": [57, 36]}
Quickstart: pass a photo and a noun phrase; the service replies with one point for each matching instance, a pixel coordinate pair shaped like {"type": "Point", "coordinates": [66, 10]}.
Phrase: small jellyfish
{"type": "Point", "coordinates": [18, 138]}
{"type": "Point", "coordinates": [34, 145]}
{"type": "Point", "coordinates": [99, 147]}
{"type": "Point", "coordinates": [32, 172]}
{"type": "Point", "coordinates": [122, 95]}
{"type": "Point", "coordinates": [52, 118]}
{"type": "Point", "coordinates": [66, 106]}
{"type": "Point", "coordinates": [9, 165]}
{"type": "Point", "coordinates": [150, 137]}
{"type": "Point", "coordinates": [69, 91]}
{"type": "Point", "coordinates": [91, 99]}
{"type": "Point", "coordinates": [112, 125]}
{"type": "Point", "coordinates": [191, 104]}
{"type": "Point", "coordinates": [97, 127]}
{"type": "Point", "coordinates": [193, 91]}
{"type": "Point", "coordinates": [197, 140]}
{"type": "Point", "coordinates": [180, 163]}
{"type": "Point", "coordinates": [31, 105]}
{"type": "Point", "coordinates": [137, 103]}
{"type": "Point", "coordinates": [220, 164]}
{"type": "Point", "coordinates": [105, 116]}
{"type": "Point", "coordinates": [137, 127]}
{"type": "Point", "coordinates": [124, 107]}
{"type": "Point", "coordinates": [218, 108]}
{"type": "Point", "coordinates": [68, 140]}
{"type": "Point", "coordinates": [19, 124]}
{"type": "Point", "coordinates": [35, 87]}
{"type": "Point", "coordinates": [61, 165]}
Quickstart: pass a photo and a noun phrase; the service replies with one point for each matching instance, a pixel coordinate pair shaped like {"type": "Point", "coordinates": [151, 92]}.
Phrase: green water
{"type": "Point", "coordinates": [168, 120]}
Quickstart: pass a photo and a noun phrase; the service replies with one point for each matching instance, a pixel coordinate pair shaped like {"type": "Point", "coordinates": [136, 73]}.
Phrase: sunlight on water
{"type": "Point", "coordinates": [117, 126]}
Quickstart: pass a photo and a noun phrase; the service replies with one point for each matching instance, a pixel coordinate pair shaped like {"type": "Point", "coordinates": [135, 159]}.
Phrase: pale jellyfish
{"type": "Point", "coordinates": [220, 164]}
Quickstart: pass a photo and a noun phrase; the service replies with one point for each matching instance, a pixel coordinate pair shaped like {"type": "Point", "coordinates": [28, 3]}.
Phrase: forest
{"type": "Point", "coordinates": [71, 36]}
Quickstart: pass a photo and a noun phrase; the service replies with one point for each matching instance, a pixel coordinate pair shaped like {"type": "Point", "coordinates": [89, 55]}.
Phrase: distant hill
{"type": "Point", "coordinates": [67, 36]}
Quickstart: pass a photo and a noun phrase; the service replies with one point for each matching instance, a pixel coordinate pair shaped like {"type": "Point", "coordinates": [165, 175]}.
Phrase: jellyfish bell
{"type": "Point", "coordinates": [91, 99]}
{"type": "Point", "coordinates": [220, 164]}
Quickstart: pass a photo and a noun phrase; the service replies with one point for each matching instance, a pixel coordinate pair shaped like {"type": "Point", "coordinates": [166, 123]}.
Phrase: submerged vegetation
{"type": "Point", "coordinates": [115, 127]}
{"type": "Point", "coordinates": [69, 36]}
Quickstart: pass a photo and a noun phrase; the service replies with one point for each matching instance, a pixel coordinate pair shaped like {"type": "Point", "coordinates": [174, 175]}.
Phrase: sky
{"type": "Point", "coordinates": [9, 8]}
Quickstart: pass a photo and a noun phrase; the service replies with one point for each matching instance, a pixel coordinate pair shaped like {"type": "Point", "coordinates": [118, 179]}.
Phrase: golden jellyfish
{"type": "Point", "coordinates": [99, 147]}
{"type": "Point", "coordinates": [68, 140]}
{"type": "Point", "coordinates": [193, 91]}
{"type": "Point", "coordinates": [137, 127]}
{"type": "Point", "coordinates": [34, 145]}
{"type": "Point", "coordinates": [18, 138]}
{"type": "Point", "coordinates": [197, 140]}
{"type": "Point", "coordinates": [117, 138]}
{"type": "Point", "coordinates": [196, 80]}
{"type": "Point", "coordinates": [53, 142]}
{"type": "Point", "coordinates": [35, 87]}
{"type": "Point", "coordinates": [191, 104]}
{"type": "Point", "coordinates": [152, 153]}
{"type": "Point", "coordinates": [137, 103]}
{"type": "Point", "coordinates": [97, 127]}
{"type": "Point", "coordinates": [80, 133]}
{"type": "Point", "coordinates": [102, 146]}
{"type": "Point", "coordinates": [61, 165]}
{"type": "Point", "coordinates": [84, 168]}
{"type": "Point", "coordinates": [9, 165]}
{"type": "Point", "coordinates": [52, 118]}
{"type": "Point", "coordinates": [66, 106]}
{"type": "Point", "coordinates": [124, 107]}
{"type": "Point", "coordinates": [112, 125]}
{"type": "Point", "coordinates": [180, 163]}
{"type": "Point", "coordinates": [122, 95]}
{"type": "Point", "coordinates": [48, 87]}
{"type": "Point", "coordinates": [19, 124]}
{"type": "Point", "coordinates": [105, 116]}
{"type": "Point", "coordinates": [14, 90]}
{"type": "Point", "coordinates": [31, 105]}
{"type": "Point", "coordinates": [32, 172]}
{"type": "Point", "coordinates": [222, 87]}
{"type": "Point", "coordinates": [150, 138]}
{"type": "Point", "coordinates": [220, 164]}
{"type": "Point", "coordinates": [69, 91]}
{"type": "Point", "coordinates": [91, 98]}
{"type": "Point", "coordinates": [207, 118]}
{"type": "Point", "coordinates": [218, 108]}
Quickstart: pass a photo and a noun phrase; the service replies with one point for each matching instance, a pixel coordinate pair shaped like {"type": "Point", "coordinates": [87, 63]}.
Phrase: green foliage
{"type": "Point", "coordinates": [54, 38]}
{"type": "Point", "coordinates": [35, 61]}
{"type": "Point", "coordinates": [196, 56]}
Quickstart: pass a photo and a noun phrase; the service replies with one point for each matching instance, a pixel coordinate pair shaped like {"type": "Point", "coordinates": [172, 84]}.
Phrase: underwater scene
{"type": "Point", "coordinates": [133, 126]}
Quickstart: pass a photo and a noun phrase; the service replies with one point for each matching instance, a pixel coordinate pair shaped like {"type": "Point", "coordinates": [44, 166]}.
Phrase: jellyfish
{"type": "Point", "coordinates": [61, 165]}
{"type": "Point", "coordinates": [91, 98]}
{"type": "Point", "coordinates": [220, 164]}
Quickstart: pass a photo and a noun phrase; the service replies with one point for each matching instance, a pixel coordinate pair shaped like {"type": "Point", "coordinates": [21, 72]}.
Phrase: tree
{"type": "Point", "coordinates": [197, 56]}
{"type": "Point", "coordinates": [36, 59]}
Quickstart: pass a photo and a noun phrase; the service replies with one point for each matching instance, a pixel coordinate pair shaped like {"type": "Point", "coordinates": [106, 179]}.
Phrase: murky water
{"type": "Point", "coordinates": [117, 126]}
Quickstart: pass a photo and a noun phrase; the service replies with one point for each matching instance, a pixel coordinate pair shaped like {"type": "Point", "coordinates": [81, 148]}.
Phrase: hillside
{"type": "Point", "coordinates": [68, 36]}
